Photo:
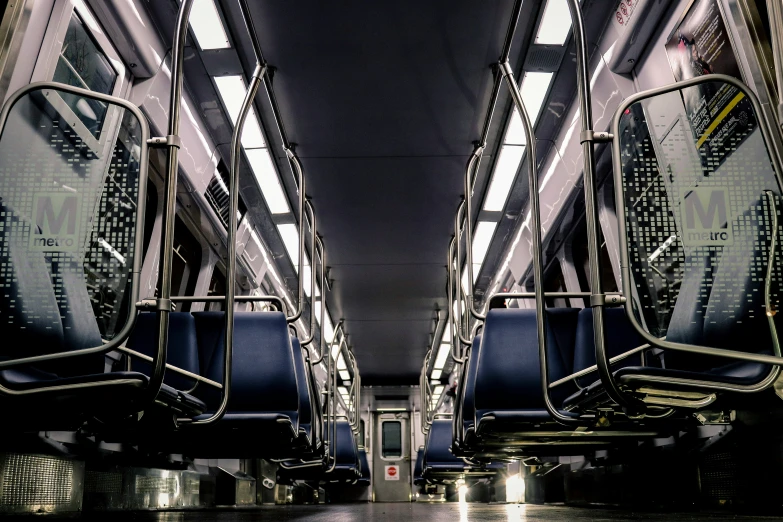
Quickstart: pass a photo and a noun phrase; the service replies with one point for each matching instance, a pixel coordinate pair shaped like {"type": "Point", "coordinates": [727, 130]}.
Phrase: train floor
{"type": "Point", "coordinates": [433, 512]}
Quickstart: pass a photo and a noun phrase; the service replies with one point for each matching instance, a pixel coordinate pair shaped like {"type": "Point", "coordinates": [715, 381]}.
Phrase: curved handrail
{"type": "Point", "coordinates": [314, 241]}
{"type": "Point", "coordinates": [538, 264]}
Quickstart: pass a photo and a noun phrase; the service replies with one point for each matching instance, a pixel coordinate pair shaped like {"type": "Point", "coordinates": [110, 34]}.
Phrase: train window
{"type": "Point", "coordinates": [582, 262]}
{"type": "Point", "coordinates": [217, 286]}
{"type": "Point", "coordinates": [391, 439]}
{"type": "Point", "coordinates": [187, 261]}
{"type": "Point", "coordinates": [555, 282]}
{"type": "Point", "coordinates": [82, 64]}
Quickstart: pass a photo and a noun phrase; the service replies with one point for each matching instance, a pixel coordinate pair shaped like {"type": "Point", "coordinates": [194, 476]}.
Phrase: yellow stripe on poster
{"type": "Point", "coordinates": [725, 112]}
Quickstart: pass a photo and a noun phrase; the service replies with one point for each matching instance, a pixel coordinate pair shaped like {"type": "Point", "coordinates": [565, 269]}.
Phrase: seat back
{"type": "Point", "coordinates": [698, 235]}
{"type": "Point", "coordinates": [418, 468]}
{"type": "Point", "coordinates": [620, 336]}
{"type": "Point", "coordinates": [263, 373]}
{"type": "Point", "coordinates": [508, 375]}
{"type": "Point", "coordinates": [467, 417]}
{"type": "Point", "coordinates": [181, 350]}
{"type": "Point", "coordinates": [364, 464]}
{"type": "Point", "coordinates": [346, 451]}
{"type": "Point", "coordinates": [303, 384]}
{"type": "Point", "coordinates": [437, 450]}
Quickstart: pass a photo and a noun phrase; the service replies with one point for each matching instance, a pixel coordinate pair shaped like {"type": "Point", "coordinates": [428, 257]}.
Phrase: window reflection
{"type": "Point", "coordinates": [82, 64]}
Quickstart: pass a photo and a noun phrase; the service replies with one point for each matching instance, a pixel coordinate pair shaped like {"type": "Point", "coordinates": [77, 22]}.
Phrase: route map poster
{"type": "Point", "coordinates": [720, 115]}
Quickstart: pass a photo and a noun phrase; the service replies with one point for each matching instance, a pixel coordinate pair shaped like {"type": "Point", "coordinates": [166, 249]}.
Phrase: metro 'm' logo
{"type": "Point", "coordinates": [57, 222]}
{"type": "Point", "coordinates": [707, 217]}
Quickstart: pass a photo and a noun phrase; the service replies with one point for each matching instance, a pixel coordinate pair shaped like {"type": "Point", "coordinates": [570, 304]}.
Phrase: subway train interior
{"type": "Point", "coordinates": [391, 260]}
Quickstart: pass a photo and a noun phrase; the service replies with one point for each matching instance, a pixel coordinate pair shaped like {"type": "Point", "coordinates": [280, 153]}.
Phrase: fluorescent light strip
{"type": "Point", "coordinates": [515, 133]}
{"type": "Point", "coordinates": [436, 374]}
{"type": "Point", "coordinates": [207, 26]}
{"type": "Point", "coordinates": [482, 238]}
{"type": "Point", "coordinates": [344, 375]}
{"type": "Point", "coordinates": [443, 353]}
{"type": "Point", "coordinates": [267, 178]}
{"type": "Point", "coordinates": [534, 87]}
{"type": "Point", "coordinates": [232, 91]}
{"type": "Point", "coordinates": [555, 23]}
{"type": "Point", "coordinates": [290, 234]}
{"type": "Point", "coordinates": [341, 362]}
{"type": "Point", "coordinates": [503, 177]}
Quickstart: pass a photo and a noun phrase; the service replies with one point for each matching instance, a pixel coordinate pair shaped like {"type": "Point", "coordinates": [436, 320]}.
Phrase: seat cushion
{"type": "Point", "coordinates": [738, 373]}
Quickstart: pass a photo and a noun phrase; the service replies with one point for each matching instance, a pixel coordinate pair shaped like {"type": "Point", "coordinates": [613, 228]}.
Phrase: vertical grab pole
{"type": "Point", "coordinates": [231, 261]}
{"type": "Point", "coordinates": [458, 283]}
{"type": "Point", "coordinates": [297, 167]}
{"type": "Point", "coordinates": [538, 264]}
{"type": "Point", "coordinates": [170, 205]}
{"type": "Point", "coordinates": [313, 240]}
{"type": "Point", "coordinates": [591, 210]}
{"type": "Point", "coordinates": [775, 10]}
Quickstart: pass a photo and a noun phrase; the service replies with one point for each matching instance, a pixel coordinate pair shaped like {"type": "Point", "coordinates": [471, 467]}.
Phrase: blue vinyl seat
{"type": "Point", "coordinates": [262, 419]}
{"type": "Point", "coordinates": [508, 387]}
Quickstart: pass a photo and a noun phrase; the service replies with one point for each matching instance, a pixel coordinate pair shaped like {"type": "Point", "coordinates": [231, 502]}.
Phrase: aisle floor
{"type": "Point", "coordinates": [424, 512]}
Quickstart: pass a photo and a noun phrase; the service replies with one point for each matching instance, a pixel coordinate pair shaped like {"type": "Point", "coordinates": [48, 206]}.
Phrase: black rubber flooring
{"type": "Point", "coordinates": [418, 512]}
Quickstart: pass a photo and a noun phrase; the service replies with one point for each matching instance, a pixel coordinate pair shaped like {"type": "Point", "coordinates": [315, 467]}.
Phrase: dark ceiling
{"type": "Point", "coordinates": [384, 100]}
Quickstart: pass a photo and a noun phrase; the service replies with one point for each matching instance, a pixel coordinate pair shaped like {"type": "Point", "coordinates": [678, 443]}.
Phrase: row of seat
{"type": "Point", "coordinates": [350, 465]}
{"type": "Point", "coordinates": [500, 388]}
{"type": "Point", "coordinates": [436, 464]}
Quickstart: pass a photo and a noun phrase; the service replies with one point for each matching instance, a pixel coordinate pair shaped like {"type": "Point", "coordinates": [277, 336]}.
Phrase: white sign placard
{"type": "Point", "coordinates": [392, 472]}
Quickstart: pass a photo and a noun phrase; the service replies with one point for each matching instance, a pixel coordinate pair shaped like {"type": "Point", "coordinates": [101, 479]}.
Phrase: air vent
{"type": "Point", "coordinates": [544, 58]}
{"type": "Point", "coordinates": [218, 197]}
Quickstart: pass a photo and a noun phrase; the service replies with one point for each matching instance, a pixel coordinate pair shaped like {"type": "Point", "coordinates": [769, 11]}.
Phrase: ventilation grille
{"type": "Point", "coordinates": [159, 485]}
{"type": "Point", "coordinates": [29, 480]}
{"type": "Point", "coordinates": [720, 477]}
{"type": "Point", "coordinates": [543, 58]}
{"type": "Point", "coordinates": [102, 482]}
{"type": "Point", "coordinates": [218, 197]}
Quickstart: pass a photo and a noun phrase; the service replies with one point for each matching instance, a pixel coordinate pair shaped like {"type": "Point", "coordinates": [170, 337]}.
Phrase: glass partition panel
{"type": "Point", "coordinates": [700, 197]}
{"type": "Point", "coordinates": [70, 209]}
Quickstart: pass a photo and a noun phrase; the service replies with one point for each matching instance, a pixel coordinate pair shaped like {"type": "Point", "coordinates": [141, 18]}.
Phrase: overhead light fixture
{"type": "Point", "coordinates": [290, 235]}
{"type": "Point", "coordinates": [344, 375]}
{"type": "Point", "coordinates": [268, 181]}
{"type": "Point", "coordinates": [335, 350]}
{"type": "Point", "coordinates": [515, 133]}
{"type": "Point", "coordinates": [341, 362]}
{"type": "Point", "coordinates": [482, 237]}
{"type": "Point", "coordinates": [555, 23]}
{"type": "Point", "coordinates": [436, 373]}
{"type": "Point", "coordinates": [534, 87]}
{"type": "Point", "coordinates": [232, 90]}
{"type": "Point", "coordinates": [328, 327]}
{"type": "Point", "coordinates": [443, 353]}
{"type": "Point", "coordinates": [503, 177]}
{"type": "Point", "coordinates": [343, 390]}
{"type": "Point", "coordinates": [207, 26]}
{"type": "Point", "coordinates": [307, 276]}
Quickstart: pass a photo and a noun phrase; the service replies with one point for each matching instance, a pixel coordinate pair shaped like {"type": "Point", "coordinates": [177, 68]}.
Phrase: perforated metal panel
{"type": "Point", "coordinates": [68, 208]}
{"type": "Point", "coordinates": [34, 483]}
{"type": "Point", "coordinates": [700, 196]}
